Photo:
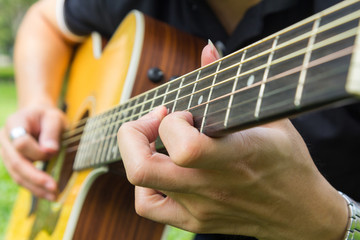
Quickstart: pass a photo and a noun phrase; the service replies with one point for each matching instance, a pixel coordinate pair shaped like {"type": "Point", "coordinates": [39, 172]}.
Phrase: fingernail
{"type": "Point", "coordinates": [214, 49]}
{"type": "Point", "coordinates": [211, 43]}
{"type": "Point", "coordinates": [52, 145]}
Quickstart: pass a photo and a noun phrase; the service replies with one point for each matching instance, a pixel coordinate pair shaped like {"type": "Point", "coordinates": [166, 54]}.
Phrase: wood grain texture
{"type": "Point", "coordinates": [174, 52]}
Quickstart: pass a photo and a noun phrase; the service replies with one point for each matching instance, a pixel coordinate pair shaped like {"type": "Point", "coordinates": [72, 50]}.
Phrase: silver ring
{"type": "Point", "coordinates": [17, 132]}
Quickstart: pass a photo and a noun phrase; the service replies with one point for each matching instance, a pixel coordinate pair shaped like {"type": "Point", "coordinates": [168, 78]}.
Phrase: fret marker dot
{"type": "Point", "coordinates": [250, 80]}
{"type": "Point", "coordinates": [200, 99]}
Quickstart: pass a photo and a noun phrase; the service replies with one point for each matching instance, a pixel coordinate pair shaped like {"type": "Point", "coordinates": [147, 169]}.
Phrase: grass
{"type": "Point", "coordinates": [8, 188]}
{"type": "Point", "coordinates": [6, 72]}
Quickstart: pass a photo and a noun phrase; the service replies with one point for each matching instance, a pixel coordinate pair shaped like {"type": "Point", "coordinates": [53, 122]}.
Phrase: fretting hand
{"type": "Point", "coordinates": [258, 182]}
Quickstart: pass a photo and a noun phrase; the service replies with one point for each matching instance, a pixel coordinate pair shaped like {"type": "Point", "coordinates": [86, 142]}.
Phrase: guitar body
{"type": "Point", "coordinates": [98, 203]}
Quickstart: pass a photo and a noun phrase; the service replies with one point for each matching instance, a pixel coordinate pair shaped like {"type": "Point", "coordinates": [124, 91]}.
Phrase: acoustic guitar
{"type": "Point", "coordinates": [311, 64]}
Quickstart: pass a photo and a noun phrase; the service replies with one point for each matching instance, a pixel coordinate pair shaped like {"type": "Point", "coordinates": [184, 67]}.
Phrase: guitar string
{"type": "Point", "coordinates": [334, 23]}
{"type": "Point", "coordinates": [104, 160]}
{"type": "Point", "coordinates": [312, 64]}
{"type": "Point", "coordinates": [327, 42]}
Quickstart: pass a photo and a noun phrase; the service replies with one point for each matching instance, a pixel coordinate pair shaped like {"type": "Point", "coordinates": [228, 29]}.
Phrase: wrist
{"type": "Point", "coordinates": [333, 218]}
{"type": "Point", "coordinates": [323, 213]}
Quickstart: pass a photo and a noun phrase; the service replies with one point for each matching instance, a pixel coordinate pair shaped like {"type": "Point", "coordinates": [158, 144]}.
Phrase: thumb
{"type": "Point", "coordinates": [209, 54]}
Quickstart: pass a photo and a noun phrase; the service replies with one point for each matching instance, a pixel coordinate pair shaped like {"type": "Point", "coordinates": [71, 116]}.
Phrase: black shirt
{"type": "Point", "coordinates": [332, 135]}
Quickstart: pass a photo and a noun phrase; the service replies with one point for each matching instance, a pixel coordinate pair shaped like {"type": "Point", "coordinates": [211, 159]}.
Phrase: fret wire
{"type": "Point", "coordinates": [177, 94]}
{"type": "Point", "coordinates": [84, 142]}
{"type": "Point", "coordinates": [194, 87]}
{"type": "Point", "coordinates": [108, 130]}
{"type": "Point", "coordinates": [233, 90]}
{"type": "Point", "coordinates": [89, 135]}
{"type": "Point", "coordinates": [307, 59]}
{"type": "Point", "coordinates": [134, 116]}
{"type": "Point", "coordinates": [266, 73]}
{"type": "Point", "coordinates": [153, 99]}
{"type": "Point", "coordinates": [99, 134]}
{"type": "Point", "coordinates": [143, 103]}
{"type": "Point", "coordinates": [113, 141]}
{"type": "Point", "coordinates": [166, 91]}
{"type": "Point", "coordinates": [89, 140]}
{"type": "Point", "coordinates": [107, 142]}
{"type": "Point", "coordinates": [333, 56]}
{"type": "Point", "coordinates": [209, 97]}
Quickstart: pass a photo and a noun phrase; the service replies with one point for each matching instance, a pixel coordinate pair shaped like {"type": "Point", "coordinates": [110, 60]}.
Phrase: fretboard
{"type": "Point", "coordinates": [300, 68]}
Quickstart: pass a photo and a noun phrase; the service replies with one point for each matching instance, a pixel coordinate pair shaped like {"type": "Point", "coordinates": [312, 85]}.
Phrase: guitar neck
{"type": "Point", "coordinates": [308, 65]}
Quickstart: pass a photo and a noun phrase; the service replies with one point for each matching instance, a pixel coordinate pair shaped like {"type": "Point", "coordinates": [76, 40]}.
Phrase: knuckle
{"type": "Point", "coordinates": [202, 215]}
{"type": "Point", "coordinates": [136, 177]}
{"type": "Point", "coordinates": [140, 207]}
{"type": "Point", "coordinates": [39, 180]}
{"type": "Point", "coordinates": [124, 129]}
{"type": "Point", "coordinates": [187, 154]}
{"type": "Point", "coordinates": [197, 226]}
{"type": "Point", "coordinates": [15, 165]}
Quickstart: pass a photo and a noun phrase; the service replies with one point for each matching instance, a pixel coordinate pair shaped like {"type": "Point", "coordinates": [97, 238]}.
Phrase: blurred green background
{"type": "Point", "coordinates": [8, 189]}
{"type": "Point", "coordinates": [11, 14]}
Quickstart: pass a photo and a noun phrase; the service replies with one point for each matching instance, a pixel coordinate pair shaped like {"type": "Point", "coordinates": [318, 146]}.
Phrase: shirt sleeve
{"type": "Point", "coordinates": [60, 18]}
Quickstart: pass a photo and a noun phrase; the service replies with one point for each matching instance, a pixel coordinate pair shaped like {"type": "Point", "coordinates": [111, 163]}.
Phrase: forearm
{"type": "Point", "coordinates": [42, 55]}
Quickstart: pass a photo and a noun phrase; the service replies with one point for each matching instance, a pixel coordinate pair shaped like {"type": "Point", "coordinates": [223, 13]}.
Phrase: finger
{"type": "Point", "coordinates": [138, 135]}
{"type": "Point", "coordinates": [26, 145]}
{"type": "Point", "coordinates": [209, 54]}
{"type": "Point", "coordinates": [52, 125]}
{"type": "Point", "coordinates": [153, 205]}
{"type": "Point", "coordinates": [187, 147]}
{"type": "Point", "coordinates": [24, 173]}
{"type": "Point", "coordinates": [147, 168]}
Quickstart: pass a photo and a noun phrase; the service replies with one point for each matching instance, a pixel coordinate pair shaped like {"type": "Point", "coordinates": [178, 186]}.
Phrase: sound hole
{"type": "Point", "coordinates": [70, 152]}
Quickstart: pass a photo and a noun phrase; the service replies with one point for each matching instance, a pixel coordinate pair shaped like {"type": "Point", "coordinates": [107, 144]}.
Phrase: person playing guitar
{"type": "Point", "coordinates": [279, 180]}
